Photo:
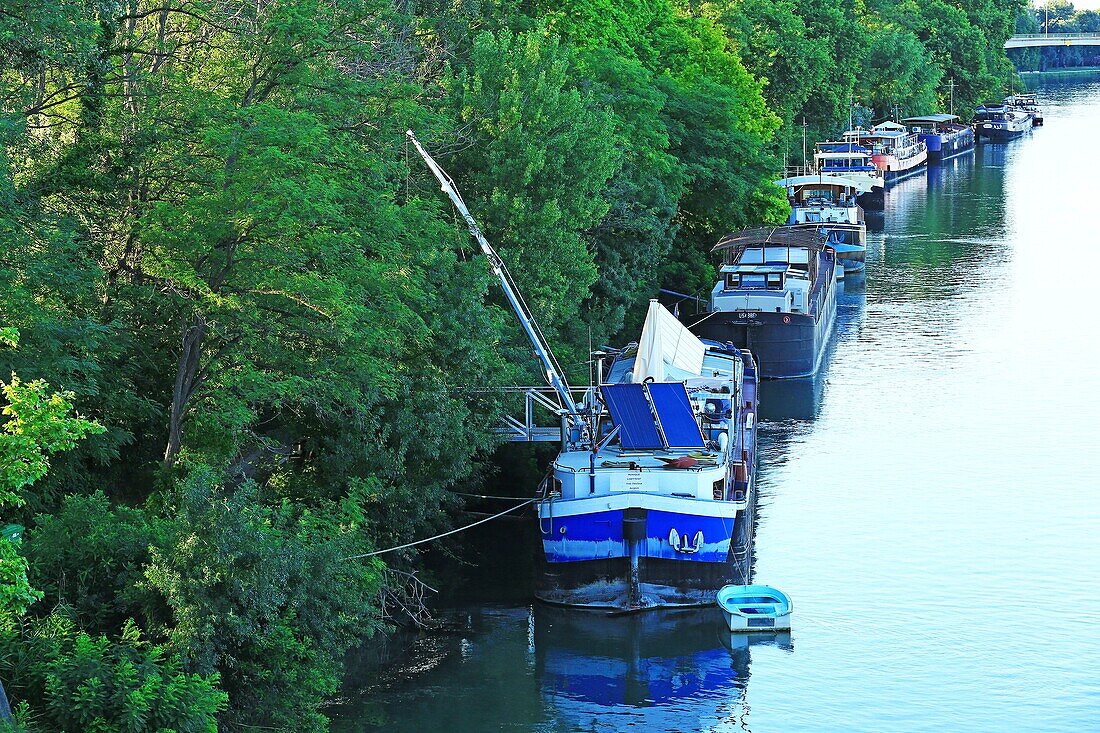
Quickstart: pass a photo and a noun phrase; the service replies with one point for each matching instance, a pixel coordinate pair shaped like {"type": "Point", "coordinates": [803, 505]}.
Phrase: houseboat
{"type": "Point", "coordinates": [830, 203]}
{"type": "Point", "coordinates": [1000, 123]}
{"type": "Point", "coordinates": [943, 134]}
{"type": "Point", "coordinates": [649, 501]}
{"type": "Point", "coordinates": [895, 151]}
{"type": "Point", "coordinates": [657, 510]}
{"type": "Point", "coordinates": [852, 161]}
{"type": "Point", "coordinates": [776, 297]}
{"type": "Point", "coordinates": [1028, 104]}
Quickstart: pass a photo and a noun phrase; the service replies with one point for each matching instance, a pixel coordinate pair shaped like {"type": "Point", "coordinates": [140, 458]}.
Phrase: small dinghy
{"type": "Point", "coordinates": [755, 608]}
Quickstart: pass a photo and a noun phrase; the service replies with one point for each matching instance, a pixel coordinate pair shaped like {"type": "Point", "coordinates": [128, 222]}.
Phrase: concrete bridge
{"type": "Point", "coordinates": [1053, 39]}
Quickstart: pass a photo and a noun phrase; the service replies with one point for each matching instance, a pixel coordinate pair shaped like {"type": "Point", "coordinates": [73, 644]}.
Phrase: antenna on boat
{"type": "Point", "coordinates": [550, 365]}
{"type": "Point", "coordinates": [804, 126]}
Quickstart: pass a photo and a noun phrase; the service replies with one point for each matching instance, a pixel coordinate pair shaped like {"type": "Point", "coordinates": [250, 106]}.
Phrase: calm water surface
{"type": "Point", "coordinates": [931, 503]}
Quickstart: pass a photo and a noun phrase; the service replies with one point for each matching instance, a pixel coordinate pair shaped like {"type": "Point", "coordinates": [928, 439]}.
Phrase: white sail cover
{"type": "Point", "coordinates": [665, 341]}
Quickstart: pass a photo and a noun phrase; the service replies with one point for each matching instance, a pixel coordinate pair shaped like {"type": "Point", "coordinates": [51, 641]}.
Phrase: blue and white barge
{"type": "Point", "coordinates": [649, 502]}
{"type": "Point", "coordinates": [657, 511]}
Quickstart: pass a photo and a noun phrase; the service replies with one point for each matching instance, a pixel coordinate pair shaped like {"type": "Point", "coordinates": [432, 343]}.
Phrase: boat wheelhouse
{"type": "Point", "coordinates": [853, 162]}
{"type": "Point", "coordinates": [1028, 104]}
{"type": "Point", "coordinates": [776, 297]}
{"type": "Point", "coordinates": [1000, 123]}
{"type": "Point", "coordinates": [943, 134]}
{"type": "Point", "coordinates": [896, 151]}
{"type": "Point", "coordinates": [657, 510]}
{"type": "Point", "coordinates": [830, 203]}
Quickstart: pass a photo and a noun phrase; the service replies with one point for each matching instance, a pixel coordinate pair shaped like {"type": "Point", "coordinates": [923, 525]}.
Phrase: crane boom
{"type": "Point", "coordinates": [542, 350]}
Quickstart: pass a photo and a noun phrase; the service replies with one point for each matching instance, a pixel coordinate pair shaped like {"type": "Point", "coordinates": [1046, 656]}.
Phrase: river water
{"type": "Point", "coordinates": [931, 502]}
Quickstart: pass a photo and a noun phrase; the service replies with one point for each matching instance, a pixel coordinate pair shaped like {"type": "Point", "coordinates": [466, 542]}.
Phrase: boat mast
{"type": "Point", "coordinates": [511, 292]}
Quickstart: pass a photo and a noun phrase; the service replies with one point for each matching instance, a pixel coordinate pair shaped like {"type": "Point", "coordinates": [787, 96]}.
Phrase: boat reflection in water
{"type": "Point", "coordinates": [665, 670]}
{"type": "Point", "coordinates": [793, 399]}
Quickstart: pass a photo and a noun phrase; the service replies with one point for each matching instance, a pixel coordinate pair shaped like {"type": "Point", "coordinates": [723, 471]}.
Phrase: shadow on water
{"type": "Point", "coordinates": [552, 669]}
{"type": "Point", "coordinates": [802, 399]}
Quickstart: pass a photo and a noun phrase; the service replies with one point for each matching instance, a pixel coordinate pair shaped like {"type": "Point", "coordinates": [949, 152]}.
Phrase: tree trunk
{"type": "Point", "coordinates": [186, 381]}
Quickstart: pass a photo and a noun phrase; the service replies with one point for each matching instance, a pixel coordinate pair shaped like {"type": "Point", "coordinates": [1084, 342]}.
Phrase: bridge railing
{"type": "Point", "coordinates": [1059, 36]}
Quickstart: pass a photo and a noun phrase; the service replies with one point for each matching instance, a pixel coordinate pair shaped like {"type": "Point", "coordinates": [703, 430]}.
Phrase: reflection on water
{"type": "Point", "coordinates": [683, 669]}
{"type": "Point", "coordinates": [929, 501]}
{"type": "Point", "coordinates": [551, 669]}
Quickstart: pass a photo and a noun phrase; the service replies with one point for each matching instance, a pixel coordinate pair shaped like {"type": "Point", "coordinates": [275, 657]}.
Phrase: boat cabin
{"type": "Point", "coordinates": [670, 396]}
{"type": "Point", "coordinates": [824, 199]}
{"type": "Point", "coordinates": [839, 158]}
{"type": "Point", "coordinates": [767, 278]}
{"type": "Point", "coordinates": [933, 124]}
{"type": "Point", "coordinates": [992, 112]}
{"type": "Point", "coordinates": [888, 138]}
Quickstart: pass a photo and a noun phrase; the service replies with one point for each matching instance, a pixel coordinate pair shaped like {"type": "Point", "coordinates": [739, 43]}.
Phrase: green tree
{"type": "Point", "coordinates": [266, 597]}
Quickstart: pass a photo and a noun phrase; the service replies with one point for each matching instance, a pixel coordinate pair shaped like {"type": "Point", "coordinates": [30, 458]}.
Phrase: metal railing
{"type": "Point", "coordinates": [1033, 40]}
{"type": "Point", "coordinates": [539, 402]}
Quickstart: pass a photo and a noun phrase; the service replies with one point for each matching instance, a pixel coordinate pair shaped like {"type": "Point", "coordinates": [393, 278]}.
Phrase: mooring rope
{"type": "Point", "coordinates": [440, 536]}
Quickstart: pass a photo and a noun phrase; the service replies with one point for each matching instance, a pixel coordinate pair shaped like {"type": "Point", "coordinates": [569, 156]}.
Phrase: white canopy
{"type": "Point", "coordinates": [824, 179]}
{"type": "Point", "coordinates": [666, 342]}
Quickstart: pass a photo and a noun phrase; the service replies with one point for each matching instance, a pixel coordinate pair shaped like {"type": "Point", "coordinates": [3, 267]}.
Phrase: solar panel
{"type": "Point", "coordinates": [630, 411]}
{"type": "Point", "coordinates": [674, 414]}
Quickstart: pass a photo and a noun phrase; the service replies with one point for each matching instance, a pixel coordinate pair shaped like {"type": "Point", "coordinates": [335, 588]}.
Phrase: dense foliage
{"type": "Point", "coordinates": [280, 349]}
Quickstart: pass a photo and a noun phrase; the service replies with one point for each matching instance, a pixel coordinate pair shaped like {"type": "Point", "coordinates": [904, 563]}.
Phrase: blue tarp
{"type": "Point", "coordinates": [630, 412]}
{"type": "Point", "coordinates": [673, 408]}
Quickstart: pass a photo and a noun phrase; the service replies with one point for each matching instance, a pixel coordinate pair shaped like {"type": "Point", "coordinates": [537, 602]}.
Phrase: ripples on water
{"type": "Point", "coordinates": [931, 502]}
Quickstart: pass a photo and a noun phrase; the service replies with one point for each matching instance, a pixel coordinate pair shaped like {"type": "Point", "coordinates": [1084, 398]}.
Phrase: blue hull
{"type": "Point", "coordinates": [599, 536]}
{"type": "Point", "coordinates": [1000, 133]}
{"type": "Point", "coordinates": [568, 575]}
{"type": "Point", "coordinates": [894, 177]}
{"type": "Point", "coordinates": [944, 147]}
{"type": "Point", "coordinates": [873, 200]}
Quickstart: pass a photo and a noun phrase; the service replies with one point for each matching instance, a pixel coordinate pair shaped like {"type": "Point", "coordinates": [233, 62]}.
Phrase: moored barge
{"type": "Point", "coordinates": [896, 151]}
{"type": "Point", "coordinates": [657, 510]}
{"type": "Point", "coordinates": [943, 134]}
{"type": "Point", "coordinates": [1000, 123]}
{"type": "Point", "coordinates": [776, 297]}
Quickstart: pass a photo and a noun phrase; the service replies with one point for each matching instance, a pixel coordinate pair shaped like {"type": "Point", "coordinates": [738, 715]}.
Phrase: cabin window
{"type": "Point", "coordinates": [752, 257]}
{"type": "Point", "coordinates": [800, 256]}
{"type": "Point", "coordinates": [733, 281]}
{"type": "Point", "coordinates": [718, 489]}
{"type": "Point", "coordinates": [776, 254]}
{"type": "Point", "coordinates": [752, 281]}
{"type": "Point", "coordinates": [775, 281]}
